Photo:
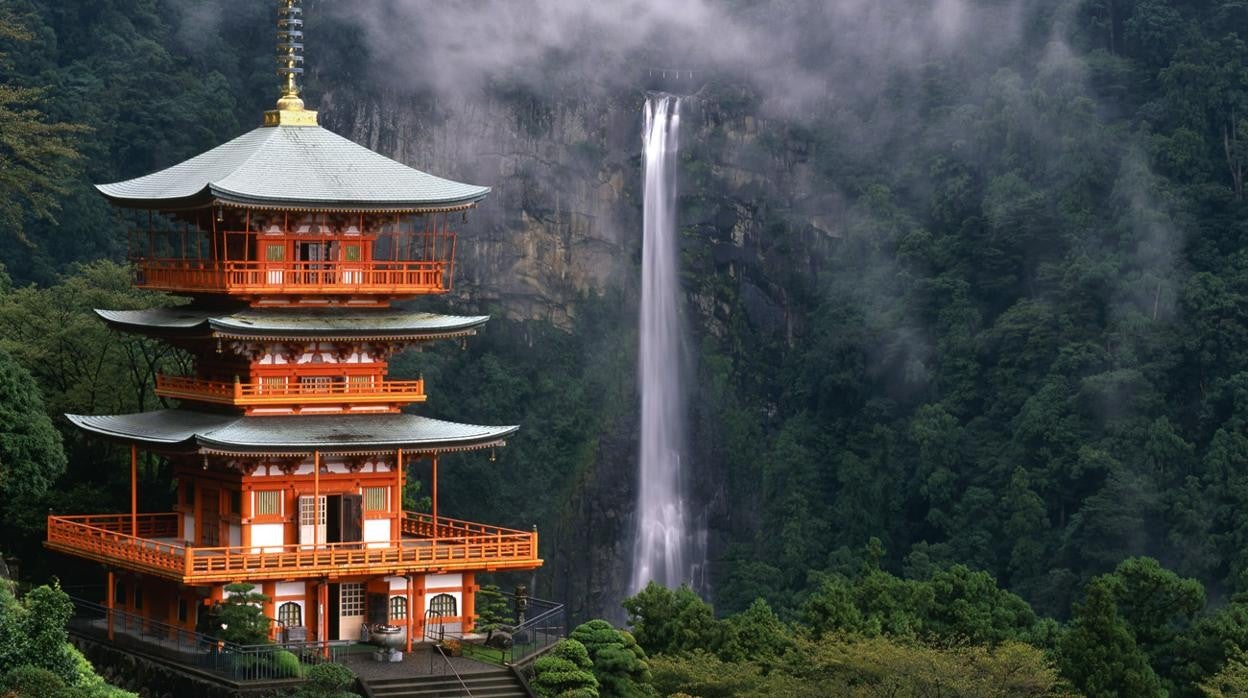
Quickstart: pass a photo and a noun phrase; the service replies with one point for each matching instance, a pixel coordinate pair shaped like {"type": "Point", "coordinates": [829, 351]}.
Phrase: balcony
{"type": "Point", "coordinates": [151, 546]}
{"type": "Point", "coordinates": [257, 279]}
{"type": "Point", "coordinates": [377, 392]}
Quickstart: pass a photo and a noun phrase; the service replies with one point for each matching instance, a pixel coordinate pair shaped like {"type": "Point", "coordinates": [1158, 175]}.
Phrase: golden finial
{"type": "Point", "coordinates": [290, 110]}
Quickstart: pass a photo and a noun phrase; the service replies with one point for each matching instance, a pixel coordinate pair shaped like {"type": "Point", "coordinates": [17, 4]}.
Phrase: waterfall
{"type": "Point", "coordinates": [665, 545]}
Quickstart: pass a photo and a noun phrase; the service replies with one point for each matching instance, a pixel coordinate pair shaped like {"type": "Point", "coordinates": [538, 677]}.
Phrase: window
{"type": "Point", "coordinates": [351, 600]}
{"type": "Point", "coordinates": [275, 253]}
{"type": "Point", "coordinates": [316, 384]}
{"type": "Point", "coordinates": [308, 512]}
{"type": "Point", "coordinates": [236, 502]}
{"type": "Point", "coordinates": [443, 605]}
{"type": "Point", "coordinates": [376, 498]}
{"type": "Point", "coordinates": [290, 615]}
{"type": "Point", "coordinates": [351, 253]}
{"type": "Point", "coordinates": [398, 608]}
{"type": "Point", "coordinates": [273, 385]}
{"type": "Point", "coordinates": [269, 503]}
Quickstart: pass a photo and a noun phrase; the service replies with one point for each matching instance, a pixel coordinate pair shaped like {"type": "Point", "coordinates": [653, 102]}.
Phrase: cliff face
{"type": "Point", "coordinates": [561, 220]}
{"type": "Point", "coordinates": [564, 220]}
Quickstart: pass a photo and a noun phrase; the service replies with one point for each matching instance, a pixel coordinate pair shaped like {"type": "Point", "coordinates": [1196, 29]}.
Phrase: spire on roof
{"type": "Point", "coordinates": [290, 110]}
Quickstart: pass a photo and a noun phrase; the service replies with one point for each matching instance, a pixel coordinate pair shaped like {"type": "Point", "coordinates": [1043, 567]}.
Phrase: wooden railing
{"type": "Point", "coordinates": [378, 391]}
{"type": "Point", "coordinates": [363, 277]}
{"type": "Point", "coordinates": [107, 539]}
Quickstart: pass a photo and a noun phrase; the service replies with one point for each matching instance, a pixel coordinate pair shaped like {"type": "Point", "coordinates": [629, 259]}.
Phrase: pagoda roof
{"type": "Point", "coordinates": [209, 433]}
{"type": "Point", "coordinates": [389, 324]}
{"type": "Point", "coordinates": [294, 167]}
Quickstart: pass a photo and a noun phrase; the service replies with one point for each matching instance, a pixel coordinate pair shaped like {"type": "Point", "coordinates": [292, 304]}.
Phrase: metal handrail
{"type": "Point", "coordinates": [238, 662]}
{"type": "Point", "coordinates": [447, 661]}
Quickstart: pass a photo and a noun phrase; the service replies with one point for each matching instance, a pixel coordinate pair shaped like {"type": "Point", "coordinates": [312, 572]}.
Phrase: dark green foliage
{"type": "Point", "coordinates": [565, 672]}
{"type": "Point", "coordinates": [32, 681]}
{"type": "Point", "coordinates": [671, 622]}
{"type": "Point", "coordinates": [240, 618]}
{"type": "Point", "coordinates": [327, 680]}
{"type": "Point", "coordinates": [31, 458]}
{"type": "Point", "coordinates": [34, 647]}
{"type": "Point", "coordinates": [493, 609]}
{"type": "Point", "coordinates": [1100, 655]}
{"type": "Point", "coordinates": [619, 663]}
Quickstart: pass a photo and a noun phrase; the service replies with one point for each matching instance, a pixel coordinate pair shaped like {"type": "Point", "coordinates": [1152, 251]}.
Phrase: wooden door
{"type": "Point", "coordinates": [210, 518]}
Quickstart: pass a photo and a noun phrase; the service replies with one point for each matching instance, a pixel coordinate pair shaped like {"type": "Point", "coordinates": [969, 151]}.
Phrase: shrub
{"type": "Point", "coordinates": [286, 665]}
{"type": "Point", "coordinates": [565, 673]}
{"type": "Point", "coordinates": [30, 680]}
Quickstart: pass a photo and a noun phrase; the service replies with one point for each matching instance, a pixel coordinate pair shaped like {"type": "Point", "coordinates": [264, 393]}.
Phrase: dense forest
{"type": "Point", "coordinates": [970, 330]}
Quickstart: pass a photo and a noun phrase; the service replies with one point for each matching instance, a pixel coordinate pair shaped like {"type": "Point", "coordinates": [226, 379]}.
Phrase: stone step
{"type": "Point", "coordinates": [493, 684]}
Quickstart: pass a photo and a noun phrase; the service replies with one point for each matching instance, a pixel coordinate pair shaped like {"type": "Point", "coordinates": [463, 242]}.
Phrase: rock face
{"type": "Point", "coordinates": [564, 219]}
{"type": "Point", "coordinates": [561, 219]}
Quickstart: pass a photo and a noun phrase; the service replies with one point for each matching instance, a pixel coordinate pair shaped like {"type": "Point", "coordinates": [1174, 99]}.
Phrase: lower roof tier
{"type": "Point", "coordinates": [228, 434]}
{"type": "Point", "coordinates": [276, 324]}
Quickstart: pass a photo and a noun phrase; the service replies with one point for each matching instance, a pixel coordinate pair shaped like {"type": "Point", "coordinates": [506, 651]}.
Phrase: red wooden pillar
{"type": "Point", "coordinates": [470, 600]}
{"type": "Point", "coordinates": [269, 589]}
{"type": "Point", "coordinates": [411, 614]}
{"type": "Point", "coordinates": [322, 617]}
{"type": "Point", "coordinates": [434, 497]}
{"type": "Point", "coordinates": [111, 592]}
{"type": "Point", "coordinates": [134, 490]}
{"type": "Point", "coordinates": [396, 510]}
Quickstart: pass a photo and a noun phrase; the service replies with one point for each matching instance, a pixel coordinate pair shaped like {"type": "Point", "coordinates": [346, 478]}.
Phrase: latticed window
{"type": "Point", "coordinates": [290, 615]}
{"type": "Point", "coordinates": [351, 600]}
{"type": "Point", "coordinates": [398, 607]}
{"type": "Point", "coordinates": [308, 511]}
{"type": "Point", "coordinates": [316, 384]}
{"type": "Point", "coordinates": [443, 605]}
{"type": "Point", "coordinates": [376, 499]}
{"type": "Point", "coordinates": [269, 503]}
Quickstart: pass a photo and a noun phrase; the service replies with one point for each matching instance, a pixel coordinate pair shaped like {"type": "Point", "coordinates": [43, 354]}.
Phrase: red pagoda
{"type": "Point", "coordinates": [290, 446]}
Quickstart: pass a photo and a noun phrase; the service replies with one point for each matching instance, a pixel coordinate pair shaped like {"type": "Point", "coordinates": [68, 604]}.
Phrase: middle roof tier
{"type": "Point", "coordinates": [191, 431]}
{"type": "Point", "coordinates": [389, 324]}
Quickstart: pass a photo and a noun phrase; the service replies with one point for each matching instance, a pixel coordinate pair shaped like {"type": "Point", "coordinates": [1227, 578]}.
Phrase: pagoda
{"type": "Point", "coordinates": [290, 445]}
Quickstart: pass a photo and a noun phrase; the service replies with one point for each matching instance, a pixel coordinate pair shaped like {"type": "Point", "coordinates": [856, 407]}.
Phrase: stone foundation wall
{"type": "Point", "coordinates": [153, 678]}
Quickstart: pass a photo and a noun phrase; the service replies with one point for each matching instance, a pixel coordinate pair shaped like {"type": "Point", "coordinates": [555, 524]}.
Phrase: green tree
{"type": "Point", "coordinates": [31, 458]}
{"type": "Point", "coordinates": [565, 672]}
{"type": "Point", "coordinates": [240, 618]}
{"type": "Point", "coordinates": [37, 155]}
{"type": "Point", "coordinates": [619, 663]}
{"type": "Point", "coordinates": [1099, 654]}
{"type": "Point", "coordinates": [667, 622]}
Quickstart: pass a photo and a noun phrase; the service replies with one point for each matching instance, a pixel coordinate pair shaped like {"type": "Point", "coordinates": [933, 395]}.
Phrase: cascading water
{"type": "Point", "coordinates": [665, 546]}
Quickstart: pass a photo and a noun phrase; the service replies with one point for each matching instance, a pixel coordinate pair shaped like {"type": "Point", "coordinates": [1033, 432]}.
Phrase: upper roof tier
{"type": "Point", "coordinates": [390, 324]}
{"type": "Point", "coordinates": [293, 167]}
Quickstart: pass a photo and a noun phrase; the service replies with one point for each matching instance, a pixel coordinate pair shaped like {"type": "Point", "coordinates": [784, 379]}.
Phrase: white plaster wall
{"type": "Point", "coordinates": [377, 532]}
{"type": "Point", "coordinates": [442, 581]}
{"type": "Point", "coordinates": [290, 589]}
{"type": "Point", "coordinates": [269, 538]}
{"type": "Point", "coordinates": [188, 527]}
{"type": "Point", "coordinates": [397, 583]}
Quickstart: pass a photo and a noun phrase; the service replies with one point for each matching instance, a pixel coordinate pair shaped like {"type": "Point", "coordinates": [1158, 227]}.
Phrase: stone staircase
{"type": "Point", "coordinates": [495, 683]}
